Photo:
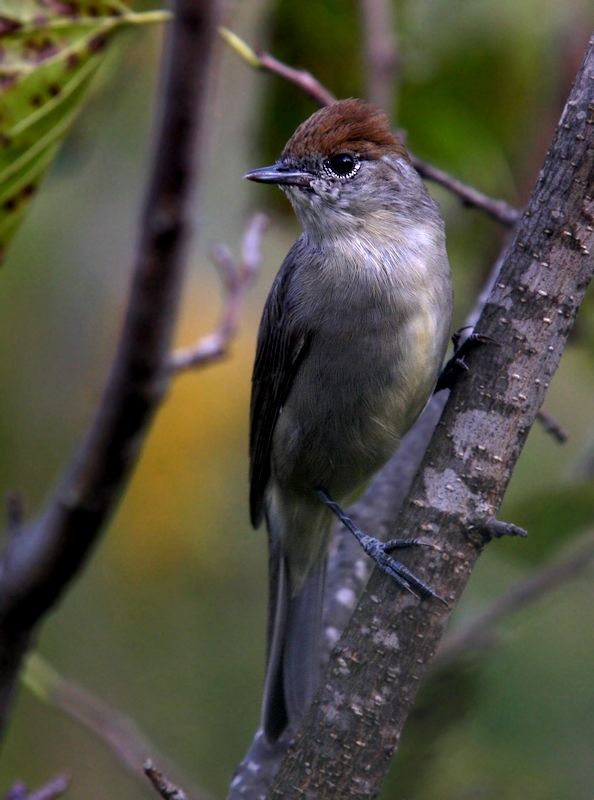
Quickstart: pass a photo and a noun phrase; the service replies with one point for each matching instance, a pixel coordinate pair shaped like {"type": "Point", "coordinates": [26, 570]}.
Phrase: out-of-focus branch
{"type": "Point", "coordinates": [121, 735]}
{"type": "Point", "coordinates": [497, 209]}
{"type": "Point", "coordinates": [380, 53]}
{"type": "Point", "coordinates": [552, 426]}
{"type": "Point", "coordinates": [258, 59]}
{"type": "Point", "coordinates": [236, 279]}
{"type": "Point", "coordinates": [38, 564]}
{"type": "Point", "coordinates": [54, 788]}
{"type": "Point", "coordinates": [15, 513]}
{"type": "Point", "coordinates": [164, 787]}
{"type": "Point", "coordinates": [481, 631]}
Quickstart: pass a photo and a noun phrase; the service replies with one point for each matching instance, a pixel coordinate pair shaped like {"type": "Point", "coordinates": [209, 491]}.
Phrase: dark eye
{"type": "Point", "coordinates": [342, 164]}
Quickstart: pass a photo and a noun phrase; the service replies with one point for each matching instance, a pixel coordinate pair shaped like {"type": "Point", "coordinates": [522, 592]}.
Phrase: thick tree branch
{"type": "Point", "coordinates": [356, 721]}
{"type": "Point", "coordinates": [38, 564]}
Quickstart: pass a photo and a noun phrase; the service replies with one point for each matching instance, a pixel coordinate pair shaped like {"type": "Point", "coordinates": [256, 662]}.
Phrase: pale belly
{"type": "Point", "coordinates": [352, 401]}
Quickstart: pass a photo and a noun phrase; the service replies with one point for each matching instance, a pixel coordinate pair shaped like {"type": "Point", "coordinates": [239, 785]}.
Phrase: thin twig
{"type": "Point", "coordinates": [259, 59]}
{"type": "Point", "coordinates": [164, 787]}
{"type": "Point", "coordinates": [380, 53]}
{"type": "Point", "coordinates": [51, 790]}
{"type": "Point", "coordinates": [552, 426]}
{"type": "Point", "coordinates": [300, 77]}
{"type": "Point", "coordinates": [481, 631]}
{"type": "Point", "coordinates": [38, 565]}
{"type": "Point", "coordinates": [236, 280]}
{"type": "Point", "coordinates": [54, 788]}
{"type": "Point", "coordinates": [121, 735]}
{"type": "Point", "coordinates": [497, 209]}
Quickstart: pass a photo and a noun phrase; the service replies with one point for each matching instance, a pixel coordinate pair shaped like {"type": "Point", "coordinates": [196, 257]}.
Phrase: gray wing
{"type": "Point", "coordinates": [282, 342]}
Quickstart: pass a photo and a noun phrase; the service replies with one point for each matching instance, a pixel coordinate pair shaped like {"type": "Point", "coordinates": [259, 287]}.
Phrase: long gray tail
{"type": "Point", "coordinates": [294, 639]}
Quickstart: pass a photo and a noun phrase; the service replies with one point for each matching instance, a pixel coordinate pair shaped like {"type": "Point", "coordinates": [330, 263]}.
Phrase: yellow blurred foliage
{"type": "Point", "coordinates": [194, 461]}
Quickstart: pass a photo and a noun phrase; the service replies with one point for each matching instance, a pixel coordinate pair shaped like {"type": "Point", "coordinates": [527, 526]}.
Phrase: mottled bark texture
{"type": "Point", "coordinates": [40, 559]}
{"type": "Point", "coordinates": [354, 726]}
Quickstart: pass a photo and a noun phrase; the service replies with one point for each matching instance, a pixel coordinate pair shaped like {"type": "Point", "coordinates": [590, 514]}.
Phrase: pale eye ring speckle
{"type": "Point", "coordinates": [341, 165]}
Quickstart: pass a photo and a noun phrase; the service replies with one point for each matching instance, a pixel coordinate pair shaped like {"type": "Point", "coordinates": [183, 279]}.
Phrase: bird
{"type": "Point", "coordinates": [350, 347]}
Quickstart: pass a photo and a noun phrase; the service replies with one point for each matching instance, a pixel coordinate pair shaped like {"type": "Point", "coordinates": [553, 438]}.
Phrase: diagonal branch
{"type": "Point", "coordinates": [117, 731]}
{"type": "Point", "coordinates": [480, 631]}
{"type": "Point", "coordinates": [40, 561]}
{"type": "Point", "coordinates": [497, 209]}
{"type": "Point", "coordinates": [51, 790]}
{"type": "Point", "coordinates": [372, 677]}
{"type": "Point", "coordinates": [259, 59]}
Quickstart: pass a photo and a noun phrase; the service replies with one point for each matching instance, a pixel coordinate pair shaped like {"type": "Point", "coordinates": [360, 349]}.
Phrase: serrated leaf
{"type": "Point", "coordinates": [50, 51]}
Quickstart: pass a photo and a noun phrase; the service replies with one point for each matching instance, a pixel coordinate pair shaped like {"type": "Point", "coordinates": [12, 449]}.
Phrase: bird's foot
{"type": "Point", "coordinates": [379, 552]}
{"type": "Point", "coordinates": [456, 366]}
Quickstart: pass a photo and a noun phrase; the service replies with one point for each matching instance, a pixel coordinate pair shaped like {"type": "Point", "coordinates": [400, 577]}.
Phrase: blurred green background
{"type": "Point", "coordinates": [167, 622]}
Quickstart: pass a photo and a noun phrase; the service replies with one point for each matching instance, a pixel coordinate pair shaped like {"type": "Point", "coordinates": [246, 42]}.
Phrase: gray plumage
{"type": "Point", "coordinates": [350, 347]}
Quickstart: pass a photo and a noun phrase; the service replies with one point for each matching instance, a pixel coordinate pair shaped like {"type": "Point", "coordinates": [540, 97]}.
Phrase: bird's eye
{"type": "Point", "coordinates": [344, 165]}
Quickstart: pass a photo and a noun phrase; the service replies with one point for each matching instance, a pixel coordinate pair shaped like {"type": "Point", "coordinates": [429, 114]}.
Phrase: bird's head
{"type": "Point", "coordinates": [342, 165]}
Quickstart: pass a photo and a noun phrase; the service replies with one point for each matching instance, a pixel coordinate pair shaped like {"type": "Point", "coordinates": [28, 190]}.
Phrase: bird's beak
{"type": "Point", "coordinates": [280, 174]}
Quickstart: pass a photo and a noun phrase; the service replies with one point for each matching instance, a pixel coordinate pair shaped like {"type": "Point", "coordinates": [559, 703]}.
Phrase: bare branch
{"type": "Point", "coordinates": [37, 566]}
{"type": "Point", "coordinates": [552, 426]}
{"type": "Point", "coordinates": [55, 788]}
{"type": "Point", "coordinates": [164, 787]}
{"type": "Point", "coordinates": [300, 77]}
{"type": "Point", "coordinates": [380, 53]}
{"type": "Point", "coordinates": [259, 59]}
{"type": "Point", "coordinates": [236, 280]}
{"type": "Point", "coordinates": [497, 209]}
{"type": "Point", "coordinates": [51, 790]}
{"type": "Point", "coordinates": [121, 735]}
{"type": "Point", "coordinates": [481, 631]}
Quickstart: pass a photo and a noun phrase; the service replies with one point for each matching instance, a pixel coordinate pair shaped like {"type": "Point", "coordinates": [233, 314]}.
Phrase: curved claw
{"type": "Point", "coordinates": [404, 577]}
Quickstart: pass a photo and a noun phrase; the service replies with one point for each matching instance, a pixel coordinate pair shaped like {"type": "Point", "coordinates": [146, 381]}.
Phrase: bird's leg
{"type": "Point", "coordinates": [379, 552]}
{"type": "Point", "coordinates": [456, 366]}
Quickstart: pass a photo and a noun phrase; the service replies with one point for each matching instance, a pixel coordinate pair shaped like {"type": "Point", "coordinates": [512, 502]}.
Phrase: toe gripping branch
{"type": "Point", "coordinates": [456, 366]}
{"type": "Point", "coordinates": [379, 552]}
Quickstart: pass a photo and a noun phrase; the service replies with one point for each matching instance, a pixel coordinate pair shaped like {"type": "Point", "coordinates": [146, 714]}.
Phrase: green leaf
{"type": "Point", "coordinates": [50, 51]}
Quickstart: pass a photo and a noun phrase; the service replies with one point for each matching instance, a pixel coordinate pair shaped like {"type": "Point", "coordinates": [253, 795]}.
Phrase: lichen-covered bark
{"type": "Point", "coordinates": [356, 721]}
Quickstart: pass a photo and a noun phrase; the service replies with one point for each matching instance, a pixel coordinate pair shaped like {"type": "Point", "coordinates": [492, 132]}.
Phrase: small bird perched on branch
{"type": "Point", "coordinates": [350, 347]}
